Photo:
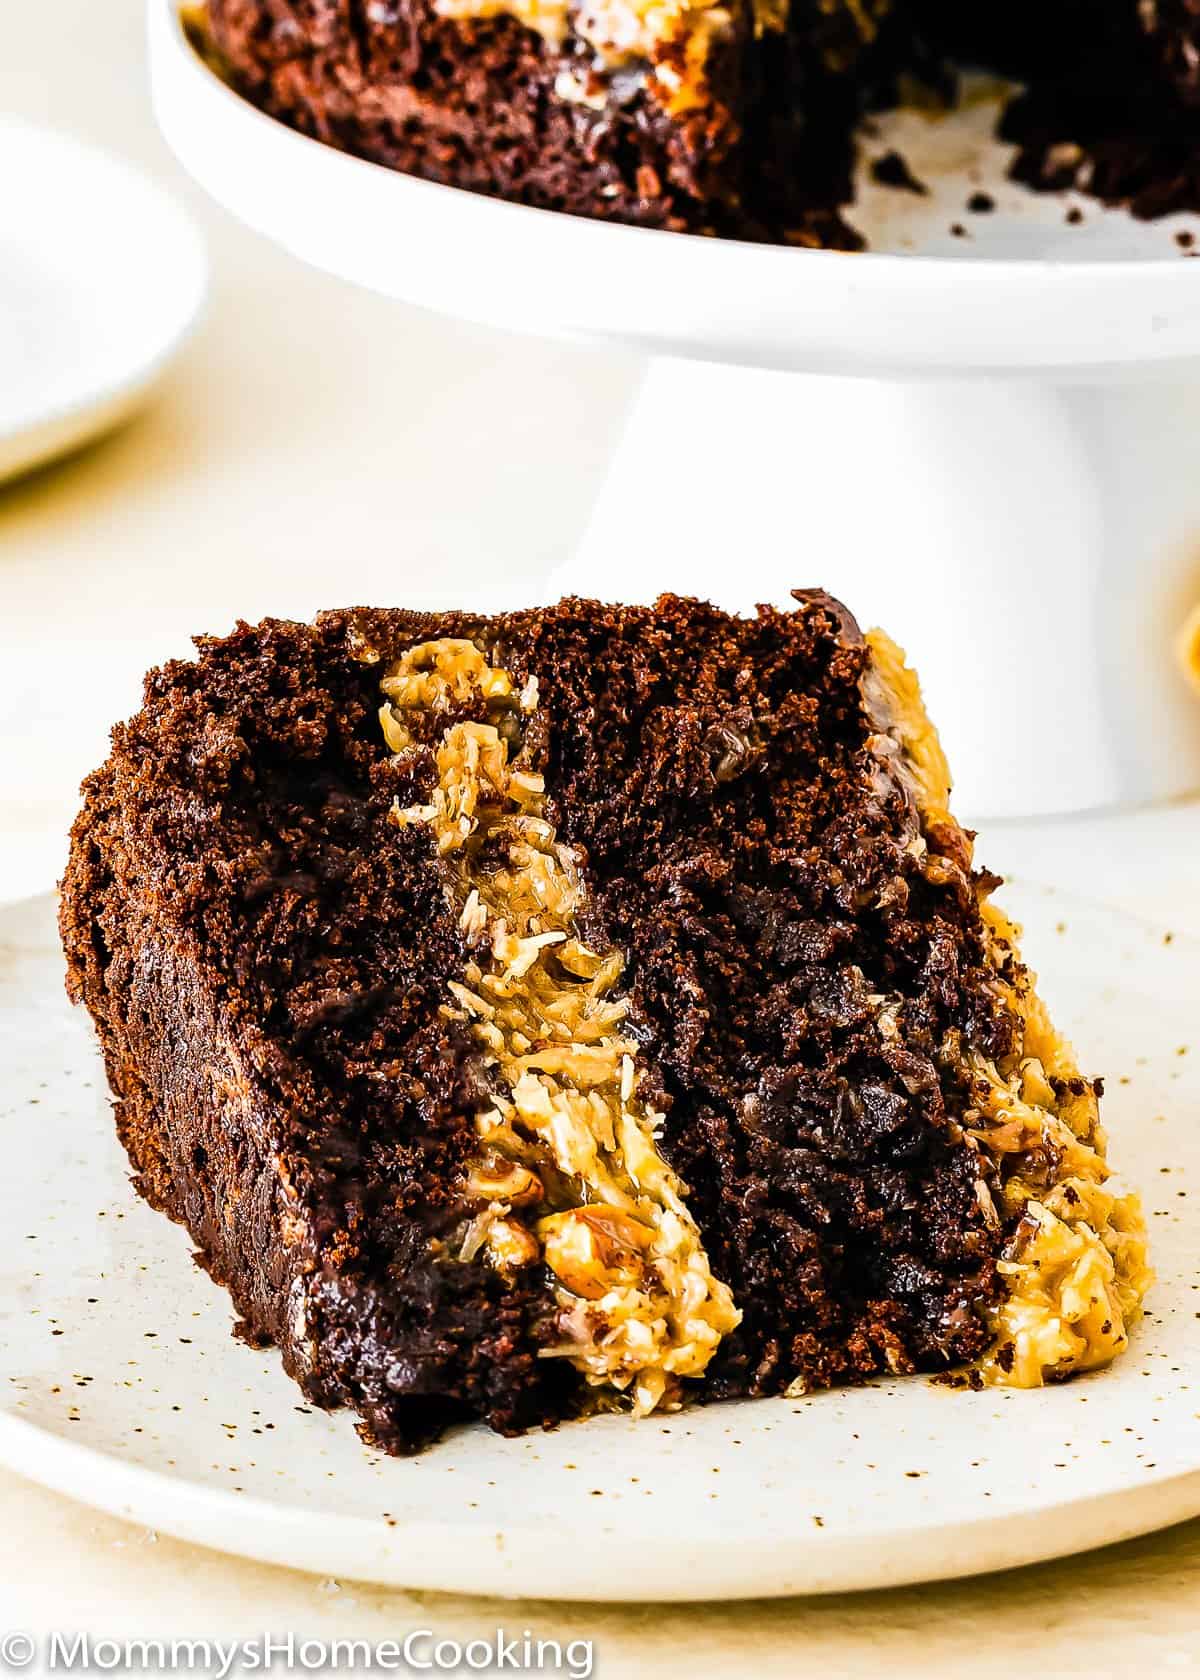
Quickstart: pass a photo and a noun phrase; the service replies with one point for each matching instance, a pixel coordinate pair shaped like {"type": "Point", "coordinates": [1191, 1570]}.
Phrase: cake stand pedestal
{"type": "Point", "coordinates": [984, 434]}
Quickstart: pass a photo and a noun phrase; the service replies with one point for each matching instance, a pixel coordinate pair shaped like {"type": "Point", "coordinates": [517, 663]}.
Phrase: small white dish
{"type": "Point", "coordinates": [121, 1386]}
{"type": "Point", "coordinates": [102, 278]}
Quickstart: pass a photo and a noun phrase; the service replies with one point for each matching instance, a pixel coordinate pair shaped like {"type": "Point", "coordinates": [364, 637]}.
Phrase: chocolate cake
{"type": "Point", "coordinates": [732, 117]}
{"type": "Point", "coordinates": [582, 1007]}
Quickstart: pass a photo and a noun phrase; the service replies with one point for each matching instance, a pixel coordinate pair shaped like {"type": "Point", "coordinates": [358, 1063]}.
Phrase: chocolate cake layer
{"type": "Point", "coordinates": [523, 1013]}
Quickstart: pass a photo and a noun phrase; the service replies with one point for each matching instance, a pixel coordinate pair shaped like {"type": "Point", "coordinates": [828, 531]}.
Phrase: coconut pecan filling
{"type": "Point", "coordinates": [1075, 1255]}
{"type": "Point", "coordinates": [666, 44]}
{"type": "Point", "coordinates": [1074, 1251]}
{"type": "Point", "coordinates": [568, 1173]}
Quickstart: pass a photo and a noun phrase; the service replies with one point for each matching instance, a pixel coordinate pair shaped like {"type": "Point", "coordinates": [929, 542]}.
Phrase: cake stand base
{"type": "Point", "coordinates": [1035, 548]}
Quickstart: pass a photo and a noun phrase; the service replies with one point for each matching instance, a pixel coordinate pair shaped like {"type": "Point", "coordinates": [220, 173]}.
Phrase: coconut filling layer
{"type": "Point", "coordinates": [567, 1172]}
{"type": "Point", "coordinates": [664, 43]}
{"type": "Point", "coordinates": [1074, 1256]}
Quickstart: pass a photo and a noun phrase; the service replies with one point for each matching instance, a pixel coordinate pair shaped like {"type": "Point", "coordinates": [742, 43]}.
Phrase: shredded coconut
{"type": "Point", "coordinates": [668, 41]}
{"type": "Point", "coordinates": [569, 1171]}
{"type": "Point", "coordinates": [1074, 1259]}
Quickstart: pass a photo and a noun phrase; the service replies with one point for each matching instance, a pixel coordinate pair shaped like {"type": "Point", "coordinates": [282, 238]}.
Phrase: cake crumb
{"type": "Point", "coordinates": [892, 170]}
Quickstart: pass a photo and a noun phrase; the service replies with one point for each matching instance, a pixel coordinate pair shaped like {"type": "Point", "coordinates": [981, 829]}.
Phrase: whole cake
{"type": "Point", "coordinates": [731, 117]}
{"type": "Point", "coordinates": [585, 1006]}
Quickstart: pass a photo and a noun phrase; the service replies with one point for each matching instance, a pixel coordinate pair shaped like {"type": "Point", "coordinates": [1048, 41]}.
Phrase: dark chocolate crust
{"type": "Point", "coordinates": [265, 955]}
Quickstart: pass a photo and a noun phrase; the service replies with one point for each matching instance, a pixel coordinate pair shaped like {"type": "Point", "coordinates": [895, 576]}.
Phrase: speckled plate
{"type": "Point", "coordinates": [120, 1383]}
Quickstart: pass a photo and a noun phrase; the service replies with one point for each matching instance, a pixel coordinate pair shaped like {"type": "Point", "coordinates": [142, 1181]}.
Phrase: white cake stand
{"type": "Point", "coordinates": [994, 447]}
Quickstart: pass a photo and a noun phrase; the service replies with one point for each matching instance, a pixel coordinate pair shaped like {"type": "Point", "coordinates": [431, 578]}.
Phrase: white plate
{"type": "Point", "coordinates": [120, 1384]}
{"type": "Point", "coordinates": [1025, 292]}
{"type": "Point", "coordinates": [102, 278]}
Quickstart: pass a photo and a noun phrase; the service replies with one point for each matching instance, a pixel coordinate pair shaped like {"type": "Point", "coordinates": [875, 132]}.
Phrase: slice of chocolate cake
{"type": "Point", "coordinates": [584, 1006]}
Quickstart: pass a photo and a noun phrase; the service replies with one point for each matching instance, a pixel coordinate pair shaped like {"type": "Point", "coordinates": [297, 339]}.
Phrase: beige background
{"type": "Point", "coordinates": [288, 465]}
